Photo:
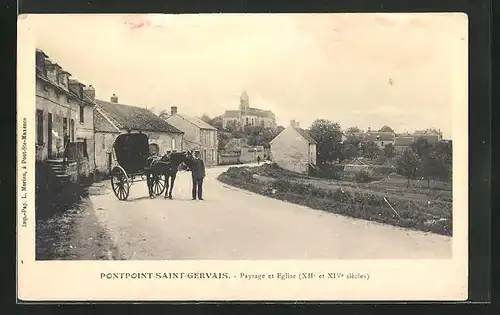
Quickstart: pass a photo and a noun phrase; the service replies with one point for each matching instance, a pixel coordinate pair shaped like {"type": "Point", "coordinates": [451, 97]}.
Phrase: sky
{"type": "Point", "coordinates": [365, 70]}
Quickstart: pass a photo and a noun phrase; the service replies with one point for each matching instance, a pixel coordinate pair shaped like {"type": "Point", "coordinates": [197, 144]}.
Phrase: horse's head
{"type": "Point", "coordinates": [177, 158]}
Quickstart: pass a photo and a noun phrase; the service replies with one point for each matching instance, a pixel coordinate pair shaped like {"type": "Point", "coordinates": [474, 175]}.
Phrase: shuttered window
{"type": "Point", "coordinates": [39, 127]}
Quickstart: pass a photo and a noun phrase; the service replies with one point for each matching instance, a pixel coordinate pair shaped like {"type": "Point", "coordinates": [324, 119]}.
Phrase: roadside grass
{"type": "Point", "coordinates": [421, 209]}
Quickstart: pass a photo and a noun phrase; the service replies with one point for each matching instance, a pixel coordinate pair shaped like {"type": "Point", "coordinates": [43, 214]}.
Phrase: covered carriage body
{"type": "Point", "coordinates": [132, 151]}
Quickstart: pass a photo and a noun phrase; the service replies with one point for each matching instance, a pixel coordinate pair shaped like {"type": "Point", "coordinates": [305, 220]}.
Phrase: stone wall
{"type": "Point", "coordinates": [104, 154]}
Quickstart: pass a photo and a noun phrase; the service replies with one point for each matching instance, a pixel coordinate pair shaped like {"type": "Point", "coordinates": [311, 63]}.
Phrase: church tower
{"type": "Point", "coordinates": [244, 102]}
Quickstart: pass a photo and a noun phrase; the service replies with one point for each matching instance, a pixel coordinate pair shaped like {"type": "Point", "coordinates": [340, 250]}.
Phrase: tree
{"type": "Point", "coordinates": [432, 166]}
{"type": "Point", "coordinates": [328, 136]}
{"type": "Point", "coordinates": [386, 129]}
{"type": "Point", "coordinates": [164, 114]}
{"type": "Point", "coordinates": [421, 147]}
{"type": "Point", "coordinates": [444, 150]}
{"type": "Point", "coordinates": [222, 139]}
{"type": "Point", "coordinates": [205, 118]}
{"type": "Point", "coordinates": [259, 135]}
{"type": "Point", "coordinates": [217, 122]}
{"type": "Point", "coordinates": [408, 164]}
{"type": "Point", "coordinates": [234, 127]}
{"type": "Point", "coordinates": [351, 148]}
{"type": "Point", "coordinates": [389, 151]}
{"type": "Point", "coordinates": [352, 130]}
{"type": "Point", "coordinates": [370, 149]}
{"type": "Point", "coordinates": [278, 130]}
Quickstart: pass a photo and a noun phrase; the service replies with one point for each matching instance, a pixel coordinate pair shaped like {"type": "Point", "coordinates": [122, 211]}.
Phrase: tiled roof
{"type": "Point", "coordinates": [135, 118]}
{"type": "Point", "coordinates": [101, 124]}
{"type": "Point", "coordinates": [260, 112]}
{"type": "Point", "coordinates": [305, 135]}
{"type": "Point", "coordinates": [231, 113]}
{"type": "Point", "coordinates": [198, 122]}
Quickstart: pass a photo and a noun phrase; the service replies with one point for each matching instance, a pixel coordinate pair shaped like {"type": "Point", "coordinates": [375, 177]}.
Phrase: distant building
{"type": "Point", "coordinates": [198, 135]}
{"type": "Point", "coordinates": [249, 154]}
{"type": "Point", "coordinates": [113, 118]}
{"type": "Point", "coordinates": [248, 116]}
{"type": "Point", "coordinates": [404, 141]}
{"type": "Point", "coordinates": [294, 149]}
{"type": "Point", "coordinates": [381, 138]}
{"type": "Point", "coordinates": [64, 120]}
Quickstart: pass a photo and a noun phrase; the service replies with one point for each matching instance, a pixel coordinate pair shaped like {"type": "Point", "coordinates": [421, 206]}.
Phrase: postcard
{"type": "Point", "coordinates": [233, 157]}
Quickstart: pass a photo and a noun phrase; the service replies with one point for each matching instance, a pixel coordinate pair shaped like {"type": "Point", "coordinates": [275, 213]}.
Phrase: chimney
{"type": "Point", "coordinates": [114, 99]}
{"type": "Point", "coordinates": [89, 91]}
{"type": "Point", "coordinates": [173, 110]}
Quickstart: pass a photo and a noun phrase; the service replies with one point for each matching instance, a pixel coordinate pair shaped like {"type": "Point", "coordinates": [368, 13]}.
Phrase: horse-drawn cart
{"type": "Point", "coordinates": [132, 152]}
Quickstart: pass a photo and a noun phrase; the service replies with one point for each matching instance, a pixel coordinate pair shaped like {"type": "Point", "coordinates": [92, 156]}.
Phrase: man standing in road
{"type": "Point", "coordinates": [198, 174]}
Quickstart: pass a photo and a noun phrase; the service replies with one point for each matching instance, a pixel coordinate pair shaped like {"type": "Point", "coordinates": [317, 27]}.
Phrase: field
{"type": "Point", "coordinates": [385, 201]}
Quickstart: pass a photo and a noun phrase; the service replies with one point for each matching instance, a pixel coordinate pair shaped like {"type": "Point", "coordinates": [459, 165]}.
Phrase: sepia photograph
{"type": "Point", "coordinates": [247, 137]}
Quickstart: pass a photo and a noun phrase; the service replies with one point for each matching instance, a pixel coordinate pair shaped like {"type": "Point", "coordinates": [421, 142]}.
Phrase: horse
{"type": "Point", "coordinates": [168, 166]}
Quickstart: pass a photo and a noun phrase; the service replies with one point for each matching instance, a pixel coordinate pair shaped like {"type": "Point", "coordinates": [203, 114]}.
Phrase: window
{"type": "Point", "coordinates": [72, 130]}
{"type": "Point", "coordinates": [85, 153]}
{"type": "Point", "coordinates": [82, 118]}
{"type": "Point", "coordinates": [247, 120]}
{"type": "Point", "coordinates": [65, 131]}
{"type": "Point", "coordinates": [103, 142]}
{"type": "Point", "coordinates": [39, 127]}
{"type": "Point", "coordinates": [173, 144]}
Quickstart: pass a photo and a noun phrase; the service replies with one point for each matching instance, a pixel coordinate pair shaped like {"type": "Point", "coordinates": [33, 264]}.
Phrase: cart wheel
{"type": "Point", "coordinates": [159, 184]}
{"type": "Point", "coordinates": [120, 183]}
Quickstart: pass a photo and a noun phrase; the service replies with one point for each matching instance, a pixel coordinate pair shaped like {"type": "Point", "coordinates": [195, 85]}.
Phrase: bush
{"type": "Point", "coordinates": [342, 195]}
{"type": "Point", "coordinates": [281, 185]}
{"type": "Point", "coordinates": [362, 176]}
{"type": "Point", "coordinates": [330, 171]}
{"type": "Point", "coordinates": [382, 171]}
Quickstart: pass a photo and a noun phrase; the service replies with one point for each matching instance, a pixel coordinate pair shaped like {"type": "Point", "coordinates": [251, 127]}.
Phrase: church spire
{"type": "Point", "coordinates": [244, 101]}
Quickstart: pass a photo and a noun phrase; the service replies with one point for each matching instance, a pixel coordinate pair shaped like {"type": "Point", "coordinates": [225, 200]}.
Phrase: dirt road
{"type": "Point", "coordinates": [235, 224]}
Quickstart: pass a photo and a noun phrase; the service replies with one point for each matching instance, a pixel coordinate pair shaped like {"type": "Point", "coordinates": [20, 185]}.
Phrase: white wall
{"type": "Point", "coordinates": [291, 151]}
{"type": "Point", "coordinates": [57, 104]}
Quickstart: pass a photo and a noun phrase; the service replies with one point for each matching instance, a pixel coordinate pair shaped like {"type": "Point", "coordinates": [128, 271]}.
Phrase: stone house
{"type": "Point", "coordinates": [294, 149]}
{"type": "Point", "coordinates": [248, 116]}
{"type": "Point", "coordinates": [113, 118]}
{"type": "Point", "coordinates": [198, 135]}
{"type": "Point", "coordinates": [64, 120]}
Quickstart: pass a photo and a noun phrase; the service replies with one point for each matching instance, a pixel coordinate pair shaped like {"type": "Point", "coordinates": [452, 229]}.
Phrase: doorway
{"type": "Point", "coordinates": [65, 133]}
{"type": "Point", "coordinates": [49, 135]}
{"type": "Point", "coordinates": [110, 160]}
